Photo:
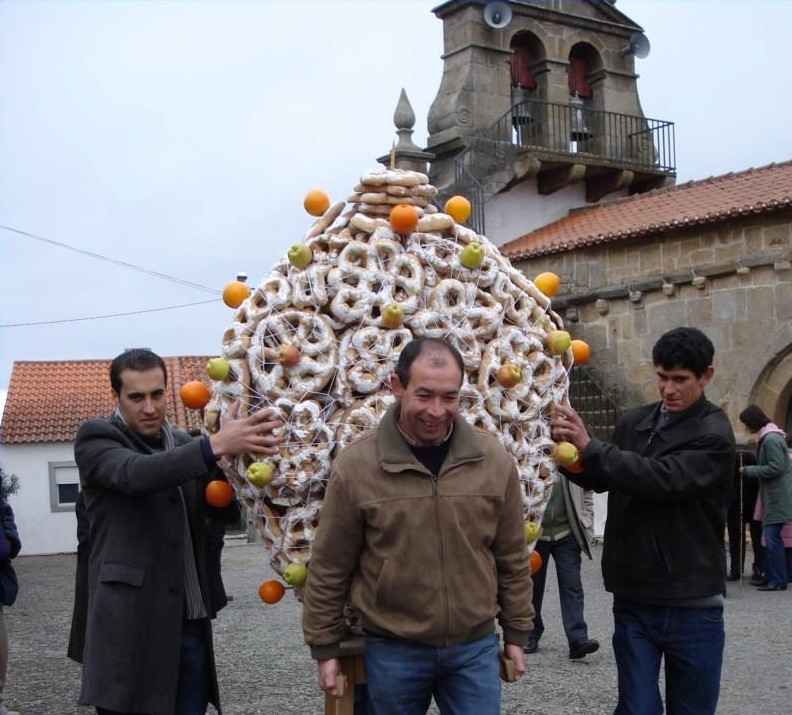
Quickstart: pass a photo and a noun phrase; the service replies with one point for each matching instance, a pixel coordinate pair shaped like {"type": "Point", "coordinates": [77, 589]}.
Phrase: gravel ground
{"type": "Point", "coordinates": [264, 667]}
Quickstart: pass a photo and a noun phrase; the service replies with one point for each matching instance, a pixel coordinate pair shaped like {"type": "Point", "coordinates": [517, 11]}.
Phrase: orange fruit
{"type": "Point", "coordinates": [219, 493]}
{"type": "Point", "coordinates": [580, 351]}
{"type": "Point", "coordinates": [403, 218]}
{"type": "Point", "coordinates": [235, 293]}
{"type": "Point", "coordinates": [458, 208]}
{"type": "Point", "coordinates": [194, 394]}
{"type": "Point", "coordinates": [271, 591]}
{"type": "Point", "coordinates": [316, 202]}
{"type": "Point", "coordinates": [535, 561]}
{"type": "Point", "coordinates": [548, 283]}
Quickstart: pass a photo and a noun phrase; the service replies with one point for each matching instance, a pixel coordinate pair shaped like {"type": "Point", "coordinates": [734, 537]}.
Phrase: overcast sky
{"type": "Point", "coordinates": [180, 137]}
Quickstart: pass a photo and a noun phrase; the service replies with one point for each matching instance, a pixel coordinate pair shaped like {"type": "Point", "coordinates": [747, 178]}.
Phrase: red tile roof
{"type": "Point", "coordinates": [47, 401]}
{"type": "Point", "coordinates": [719, 198]}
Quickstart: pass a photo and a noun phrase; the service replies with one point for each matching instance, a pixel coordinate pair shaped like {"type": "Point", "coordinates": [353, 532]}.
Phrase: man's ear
{"type": "Point", "coordinates": [707, 375]}
{"type": "Point", "coordinates": [396, 387]}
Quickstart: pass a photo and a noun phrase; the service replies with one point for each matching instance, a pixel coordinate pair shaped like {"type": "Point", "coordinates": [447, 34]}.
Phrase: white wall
{"type": "Point", "coordinates": [41, 530]}
{"type": "Point", "coordinates": [513, 214]}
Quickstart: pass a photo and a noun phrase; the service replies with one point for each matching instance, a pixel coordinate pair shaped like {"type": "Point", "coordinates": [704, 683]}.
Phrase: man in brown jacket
{"type": "Point", "coordinates": [422, 532]}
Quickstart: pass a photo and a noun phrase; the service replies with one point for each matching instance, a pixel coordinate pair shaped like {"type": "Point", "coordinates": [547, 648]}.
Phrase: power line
{"type": "Point", "coordinates": [102, 317]}
{"type": "Point", "coordinates": [123, 264]}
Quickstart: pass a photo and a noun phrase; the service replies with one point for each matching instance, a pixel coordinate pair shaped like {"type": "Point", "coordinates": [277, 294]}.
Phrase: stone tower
{"type": "Point", "coordinates": [536, 97]}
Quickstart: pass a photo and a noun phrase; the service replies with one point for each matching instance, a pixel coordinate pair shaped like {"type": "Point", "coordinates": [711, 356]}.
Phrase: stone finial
{"type": "Point", "coordinates": [405, 154]}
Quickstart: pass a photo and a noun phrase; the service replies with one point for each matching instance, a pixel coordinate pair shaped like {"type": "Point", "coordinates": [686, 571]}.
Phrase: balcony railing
{"type": "Point", "coordinates": [564, 131]}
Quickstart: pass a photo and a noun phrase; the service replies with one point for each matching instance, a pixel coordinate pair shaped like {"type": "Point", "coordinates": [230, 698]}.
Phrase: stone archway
{"type": "Point", "coordinates": [772, 390]}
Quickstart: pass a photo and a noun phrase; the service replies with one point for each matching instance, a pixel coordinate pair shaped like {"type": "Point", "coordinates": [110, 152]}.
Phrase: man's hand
{"type": "Point", "coordinates": [568, 427]}
{"type": "Point", "coordinates": [515, 653]}
{"type": "Point", "coordinates": [329, 672]}
{"type": "Point", "coordinates": [255, 434]}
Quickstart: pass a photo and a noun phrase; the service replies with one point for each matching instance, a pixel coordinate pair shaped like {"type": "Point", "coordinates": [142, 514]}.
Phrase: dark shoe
{"type": "Point", "coordinates": [531, 646]}
{"type": "Point", "coordinates": [732, 577]}
{"type": "Point", "coordinates": [768, 587]}
{"type": "Point", "coordinates": [757, 581]}
{"type": "Point", "coordinates": [579, 649]}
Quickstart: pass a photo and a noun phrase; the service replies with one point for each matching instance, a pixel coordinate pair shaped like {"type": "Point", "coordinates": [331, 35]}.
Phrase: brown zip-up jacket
{"type": "Point", "coordinates": [432, 560]}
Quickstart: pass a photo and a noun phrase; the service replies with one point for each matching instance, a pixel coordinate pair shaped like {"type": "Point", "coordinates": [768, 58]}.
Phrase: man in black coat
{"type": "Point", "coordinates": [148, 643]}
{"type": "Point", "coordinates": [668, 473]}
{"type": "Point", "coordinates": [10, 546]}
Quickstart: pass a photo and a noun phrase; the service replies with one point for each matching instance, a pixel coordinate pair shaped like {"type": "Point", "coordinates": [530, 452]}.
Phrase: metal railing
{"type": "Point", "coordinates": [567, 130]}
{"type": "Point", "coordinates": [588, 397]}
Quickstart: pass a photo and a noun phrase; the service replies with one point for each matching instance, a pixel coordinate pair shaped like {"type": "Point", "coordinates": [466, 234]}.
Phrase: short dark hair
{"type": "Point", "coordinates": [415, 347]}
{"type": "Point", "coordinates": [138, 359]}
{"type": "Point", "coordinates": [684, 349]}
{"type": "Point", "coordinates": [754, 418]}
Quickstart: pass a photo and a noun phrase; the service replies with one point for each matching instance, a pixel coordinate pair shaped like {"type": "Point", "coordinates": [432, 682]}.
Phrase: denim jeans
{"type": "Point", "coordinates": [404, 675]}
{"type": "Point", "coordinates": [691, 641]}
{"type": "Point", "coordinates": [775, 557]}
{"type": "Point", "coordinates": [192, 696]}
{"type": "Point", "coordinates": [566, 554]}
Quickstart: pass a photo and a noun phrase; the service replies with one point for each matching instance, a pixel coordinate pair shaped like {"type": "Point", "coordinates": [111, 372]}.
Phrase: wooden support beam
{"type": "Point", "coordinates": [606, 183]}
{"type": "Point", "coordinates": [549, 182]}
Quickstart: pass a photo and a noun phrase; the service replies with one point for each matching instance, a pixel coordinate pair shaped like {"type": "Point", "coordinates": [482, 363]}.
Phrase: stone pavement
{"type": "Point", "coordinates": [264, 668]}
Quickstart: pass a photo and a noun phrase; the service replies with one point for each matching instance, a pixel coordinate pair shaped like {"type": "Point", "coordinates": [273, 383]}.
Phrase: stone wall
{"type": "Point", "coordinates": [732, 279]}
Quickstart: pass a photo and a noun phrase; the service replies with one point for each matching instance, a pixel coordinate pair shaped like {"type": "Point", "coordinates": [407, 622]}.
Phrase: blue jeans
{"type": "Point", "coordinates": [192, 696]}
{"type": "Point", "coordinates": [775, 556]}
{"type": "Point", "coordinates": [404, 675]}
{"type": "Point", "coordinates": [690, 639]}
{"type": "Point", "coordinates": [566, 554]}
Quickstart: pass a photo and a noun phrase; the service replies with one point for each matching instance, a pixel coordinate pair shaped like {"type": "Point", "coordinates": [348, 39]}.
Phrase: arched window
{"type": "Point", "coordinates": [577, 71]}
{"type": "Point", "coordinates": [519, 64]}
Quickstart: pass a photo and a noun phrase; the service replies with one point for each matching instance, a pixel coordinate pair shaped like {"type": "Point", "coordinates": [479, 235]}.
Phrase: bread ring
{"type": "Point", "coordinates": [309, 287]}
{"type": "Point", "coordinates": [314, 336]}
{"type": "Point", "coordinates": [366, 224]}
{"type": "Point", "coordinates": [435, 223]}
{"type": "Point", "coordinates": [398, 177]}
{"type": "Point", "coordinates": [367, 359]}
{"type": "Point", "coordinates": [325, 220]}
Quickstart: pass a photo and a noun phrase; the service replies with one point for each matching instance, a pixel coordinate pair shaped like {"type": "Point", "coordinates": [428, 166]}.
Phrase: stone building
{"type": "Point", "coordinates": [713, 254]}
{"type": "Point", "coordinates": [538, 121]}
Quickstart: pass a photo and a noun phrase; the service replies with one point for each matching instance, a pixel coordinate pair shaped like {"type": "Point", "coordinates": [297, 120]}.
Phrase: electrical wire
{"type": "Point", "coordinates": [101, 317]}
{"type": "Point", "coordinates": [123, 264]}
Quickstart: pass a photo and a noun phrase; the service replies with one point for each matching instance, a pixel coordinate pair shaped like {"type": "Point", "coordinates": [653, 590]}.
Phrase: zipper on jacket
{"type": "Point", "coordinates": [442, 558]}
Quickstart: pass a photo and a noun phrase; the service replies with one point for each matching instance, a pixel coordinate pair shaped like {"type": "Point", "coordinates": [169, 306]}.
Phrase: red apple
{"type": "Point", "coordinates": [508, 375]}
{"type": "Point", "coordinates": [288, 355]}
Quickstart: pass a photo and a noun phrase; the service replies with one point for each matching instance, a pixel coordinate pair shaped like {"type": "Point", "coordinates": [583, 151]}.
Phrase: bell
{"type": "Point", "coordinates": [578, 131]}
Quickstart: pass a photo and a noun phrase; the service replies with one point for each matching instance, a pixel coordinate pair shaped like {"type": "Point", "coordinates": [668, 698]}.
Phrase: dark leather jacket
{"type": "Point", "coordinates": [669, 490]}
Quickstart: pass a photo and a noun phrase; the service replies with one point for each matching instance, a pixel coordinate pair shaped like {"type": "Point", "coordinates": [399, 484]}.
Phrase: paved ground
{"type": "Point", "coordinates": [264, 668]}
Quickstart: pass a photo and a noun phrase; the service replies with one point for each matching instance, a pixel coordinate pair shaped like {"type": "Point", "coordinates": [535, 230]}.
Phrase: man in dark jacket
{"type": "Point", "coordinates": [668, 474]}
{"type": "Point", "coordinates": [10, 546]}
{"type": "Point", "coordinates": [148, 644]}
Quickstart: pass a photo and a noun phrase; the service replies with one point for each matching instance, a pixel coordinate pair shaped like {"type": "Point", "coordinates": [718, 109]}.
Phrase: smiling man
{"type": "Point", "coordinates": [668, 476]}
{"type": "Point", "coordinates": [145, 609]}
{"type": "Point", "coordinates": [422, 531]}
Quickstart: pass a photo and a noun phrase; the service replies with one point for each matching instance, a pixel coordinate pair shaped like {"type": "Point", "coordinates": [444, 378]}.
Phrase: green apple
{"type": "Point", "coordinates": [288, 355]}
{"type": "Point", "coordinates": [566, 454]}
{"type": "Point", "coordinates": [558, 341]}
{"type": "Point", "coordinates": [532, 530]}
{"type": "Point", "coordinates": [217, 368]}
{"type": "Point", "coordinates": [472, 255]}
{"type": "Point", "coordinates": [392, 316]}
{"type": "Point", "coordinates": [508, 375]}
{"type": "Point", "coordinates": [299, 255]}
{"type": "Point", "coordinates": [295, 574]}
{"type": "Point", "coordinates": [259, 474]}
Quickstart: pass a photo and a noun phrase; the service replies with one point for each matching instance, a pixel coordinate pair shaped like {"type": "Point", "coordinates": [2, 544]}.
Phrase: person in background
{"type": "Point", "coordinates": [148, 643]}
{"type": "Point", "coordinates": [668, 473]}
{"type": "Point", "coordinates": [741, 509]}
{"type": "Point", "coordinates": [567, 531]}
{"type": "Point", "coordinates": [76, 645]}
{"type": "Point", "coordinates": [422, 531]}
{"type": "Point", "coordinates": [774, 471]}
{"type": "Point", "coordinates": [10, 546]}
